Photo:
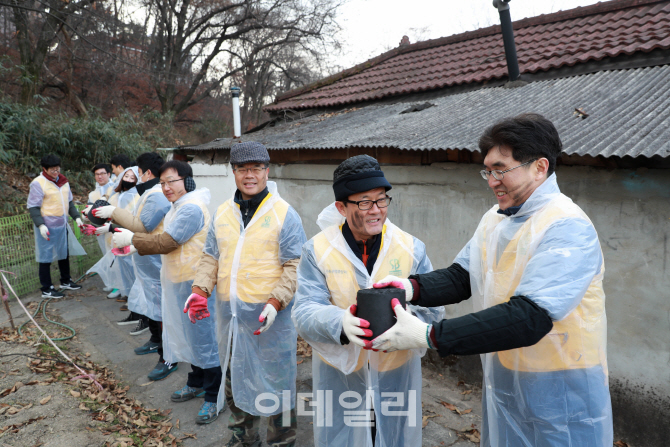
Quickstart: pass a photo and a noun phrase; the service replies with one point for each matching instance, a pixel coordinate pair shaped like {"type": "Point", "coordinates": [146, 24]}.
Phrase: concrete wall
{"type": "Point", "coordinates": [442, 204]}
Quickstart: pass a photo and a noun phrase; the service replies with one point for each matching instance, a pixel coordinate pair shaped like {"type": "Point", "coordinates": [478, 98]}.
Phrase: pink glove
{"type": "Point", "coordinates": [196, 307]}
{"type": "Point", "coordinates": [88, 230]}
{"type": "Point", "coordinates": [123, 251]}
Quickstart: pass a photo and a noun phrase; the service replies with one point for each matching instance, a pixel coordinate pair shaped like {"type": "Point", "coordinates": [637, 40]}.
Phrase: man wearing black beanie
{"type": "Point", "coordinates": [374, 394]}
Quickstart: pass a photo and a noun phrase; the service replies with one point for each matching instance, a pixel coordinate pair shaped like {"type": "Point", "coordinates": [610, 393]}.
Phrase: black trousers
{"type": "Point", "coordinates": [45, 273]}
{"type": "Point", "coordinates": [156, 330]}
{"type": "Point", "coordinates": [208, 379]}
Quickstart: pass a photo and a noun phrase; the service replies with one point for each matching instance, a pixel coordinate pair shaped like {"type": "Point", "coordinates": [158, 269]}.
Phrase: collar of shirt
{"type": "Point", "coordinates": [248, 207]}
{"type": "Point", "coordinates": [511, 211]}
{"type": "Point", "coordinates": [144, 187]}
{"type": "Point", "coordinates": [369, 247]}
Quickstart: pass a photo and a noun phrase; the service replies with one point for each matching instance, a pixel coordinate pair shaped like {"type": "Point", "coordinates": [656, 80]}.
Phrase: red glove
{"type": "Point", "coordinates": [88, 230]}
{"type": "Point", "coordinates": [196, 307]}
{"type": "Point", "coordinates": [124, 251]}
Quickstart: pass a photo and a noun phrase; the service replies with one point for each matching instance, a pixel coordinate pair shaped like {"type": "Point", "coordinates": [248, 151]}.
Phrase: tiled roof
{"type": "Point", "coordinates": [628, 112]}
{"type": "Point", "coordinates": [565, 38]}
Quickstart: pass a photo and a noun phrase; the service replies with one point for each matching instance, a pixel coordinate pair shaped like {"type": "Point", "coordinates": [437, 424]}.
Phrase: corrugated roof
{"type": "Point", "coordinates": [565, 38]}
{"type": "Point", "coordinates": [628, 115]}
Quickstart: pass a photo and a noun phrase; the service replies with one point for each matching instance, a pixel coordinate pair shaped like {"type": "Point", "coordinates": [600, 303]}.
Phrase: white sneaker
{"type": "Point", "coordinates": [115, 294]}
{"type": "Point", "coordinates": [107, 289]}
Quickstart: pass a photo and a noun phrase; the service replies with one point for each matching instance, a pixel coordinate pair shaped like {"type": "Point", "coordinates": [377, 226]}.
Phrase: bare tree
{"type": "Point", "coordinates": [195, 43]}
{"type": "Point", "coordinates": [38, 23]}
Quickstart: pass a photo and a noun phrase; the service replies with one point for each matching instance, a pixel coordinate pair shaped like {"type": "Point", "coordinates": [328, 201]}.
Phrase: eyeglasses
{"type": "Point", "coordinates": [365, 205]}
{"type": "Point", "coordinates": [256, 170]}
{"type": "Point", "coordinates": [54, 170]}
{"type": "Point", "coordinates": [169, 182]}
{"type": "Point", "coordinates": [499, 175]}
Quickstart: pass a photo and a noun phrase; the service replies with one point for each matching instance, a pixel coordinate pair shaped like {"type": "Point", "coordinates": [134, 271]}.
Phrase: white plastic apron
{"type": "Point", "coordinates": [184, 341]}
{"type": "Point", "coordinates": [264, 363]}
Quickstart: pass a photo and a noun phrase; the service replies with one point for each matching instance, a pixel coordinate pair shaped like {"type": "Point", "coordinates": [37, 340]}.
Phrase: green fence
{"type": "Point", "coordinates": [17, 254]}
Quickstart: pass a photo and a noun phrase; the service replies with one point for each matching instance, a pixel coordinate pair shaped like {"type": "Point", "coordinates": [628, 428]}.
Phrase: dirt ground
{"type": "Point", "coordinates": [47, 403]}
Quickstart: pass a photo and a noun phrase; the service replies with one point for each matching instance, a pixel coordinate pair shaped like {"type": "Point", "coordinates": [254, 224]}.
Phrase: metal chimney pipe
{"type": "Point", "coordinates": [508, 38]}
{"type": "Point", "coordinates": [237, 127]}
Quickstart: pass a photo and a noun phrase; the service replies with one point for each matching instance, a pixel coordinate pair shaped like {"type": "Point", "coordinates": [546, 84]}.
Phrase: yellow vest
{"type": "Point", "coordinates": [341, 280]}
{"type": "Point", "coordinates": [577, 341]}
{"type": "Point", "coordinates": [258, 266]}
{"type": "Point", "coordinates": [94, 196]}
{"type": "Point", "coordinates": [159, 227]}
{"type": "Point", "coordinates": [180, 264]}
{"type": "Point", "coordinates": [56, 200]}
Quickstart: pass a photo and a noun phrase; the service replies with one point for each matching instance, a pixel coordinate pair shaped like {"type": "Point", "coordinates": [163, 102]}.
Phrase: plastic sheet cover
{"type": "Point", "coordinates": [127, 201]}
{"type": "Point", "coordinates": [187, 222]}
{"type": "Point", "coordinates": [151, 208]}
{"type": "Point", "coordinates": [329, 276]}
{"type": "Point", "coordinates": [554, 393]}
{"type": "Point", "coordinates": [54, 203]}
{"type": "Point", "coordinates": [250, 265]}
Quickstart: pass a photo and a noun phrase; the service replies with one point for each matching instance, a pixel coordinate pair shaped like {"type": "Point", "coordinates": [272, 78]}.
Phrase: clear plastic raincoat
{"type": "Point", "coordinates": [554, 393]}
{"type": "Point", "coordinates": [329, 276]}
{"type": "Point", "coordinates": [187, 223]}
{"type": "Point", "coordinates": [93, 196]}
{"type": "Point", "coordinates": [107, 267]}
{"type": "Point", "coordinates": [250, 266]}
{"type": "Point", "coordinates": [54, 203]}
{"type": "Point", "coordinates": [151, 208]}
{"type": "Point", "coordinates": [127, 201]}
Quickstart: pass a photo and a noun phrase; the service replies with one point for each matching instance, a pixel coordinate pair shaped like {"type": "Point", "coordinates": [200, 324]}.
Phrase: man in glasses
{"type": "Point", "coordinates": [250, 258]}
{"type": "Point", "coordinates": [534, 269]}
{"type": "Point", "coordinates": [373, 394]}
{"type": "Point", "coordinates": [184, 230]}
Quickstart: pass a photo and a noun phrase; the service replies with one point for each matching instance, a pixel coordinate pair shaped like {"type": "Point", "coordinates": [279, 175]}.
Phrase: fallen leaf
{"type": "Point", "coordinates": [82, 406]}
{"type": "Point", "coordinates": [45, 400]}
{"type": "Point", "coordinates": [425, 419]}
{"type": "Point", "coordinates": [300, 361]}
{"type": "Point", "coordinates": [148, 383]}
{"type": "Point", "coordinates": [620, 443]}
{"type": "Point", "coordinates": [466, 411]}
{"type": "Point", "coordinates": [176, 424]}
{"type": "Point", "coordinates": [449, 406]}
{"type": "Point", "coordinates": [467, 392]}
{"type": "Point", "coordinates": [75, 393]}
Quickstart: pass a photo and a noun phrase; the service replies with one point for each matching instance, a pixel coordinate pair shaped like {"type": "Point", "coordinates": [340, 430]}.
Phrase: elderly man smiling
{"type": "Point", "coordinates": [534, 269]}
{"type": "Point", "coordinates": [358, 246]}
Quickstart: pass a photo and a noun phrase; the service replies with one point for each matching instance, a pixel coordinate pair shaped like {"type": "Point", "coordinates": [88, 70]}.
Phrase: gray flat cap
{"type": "Point", "coordinates": [248, 152]}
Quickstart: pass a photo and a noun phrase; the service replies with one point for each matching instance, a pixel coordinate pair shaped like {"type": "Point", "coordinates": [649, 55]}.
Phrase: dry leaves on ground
{"type": "Point", "coordinates": [116, 413]}
{"type": "Point", "coordinates": [620, 443]}
{"type": "Point", "coordinates": [453, 408]}
{"type": "Point", "coordinates": [304, 349]}
{"type": "Point", "coordinates": [471, 434]}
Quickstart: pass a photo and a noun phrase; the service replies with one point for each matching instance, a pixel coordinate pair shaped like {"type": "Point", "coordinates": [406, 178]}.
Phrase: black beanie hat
{"type": "Point", "coordinates": [358, 174]}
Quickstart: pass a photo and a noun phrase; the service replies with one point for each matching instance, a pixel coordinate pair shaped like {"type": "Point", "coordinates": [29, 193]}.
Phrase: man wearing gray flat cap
{"type": "Point", "coordinates": [254, 245]}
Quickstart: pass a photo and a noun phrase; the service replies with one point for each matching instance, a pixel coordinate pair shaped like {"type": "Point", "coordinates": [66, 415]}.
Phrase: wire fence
{"type": "Point", "coordinates": [17, 253]}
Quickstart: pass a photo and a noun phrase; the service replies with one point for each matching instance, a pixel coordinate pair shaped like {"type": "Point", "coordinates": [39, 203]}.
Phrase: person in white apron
{"type": "Point", "coordinates": [102, 173]}
{"type": "Point", "coordinates": [146, 218]}
{"type": "Point", "coordinates": [362, 398]}
{"type": "Point", "coordinates": [181, 244]}
{"type": "Point", "coordinates": [534, 269]}
{"type": "Point", "coordinates": [107, 267]}
{"type": "Point", "coordinates": [49, 204]}
{"type": "Point", "coordinates": [127, 199]}
{"type": "Point", "coordinates": [251, 256]}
